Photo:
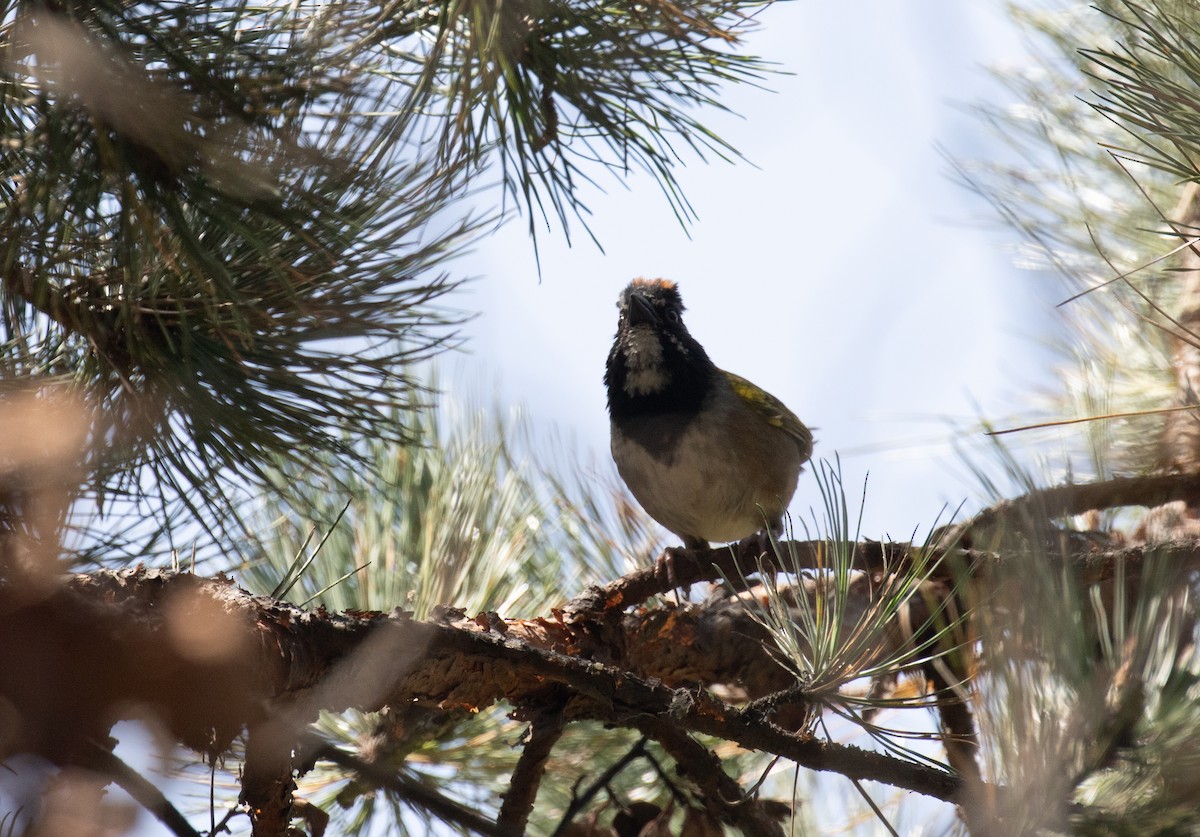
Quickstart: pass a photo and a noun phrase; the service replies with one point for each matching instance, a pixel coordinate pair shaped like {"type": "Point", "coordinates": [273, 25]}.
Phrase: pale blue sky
{"type": "Point", "coordinates": [844, 270]}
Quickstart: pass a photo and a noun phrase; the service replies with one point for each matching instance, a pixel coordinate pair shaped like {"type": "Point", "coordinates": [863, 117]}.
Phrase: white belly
{"type": "Point", "coordinates": [712, 484]}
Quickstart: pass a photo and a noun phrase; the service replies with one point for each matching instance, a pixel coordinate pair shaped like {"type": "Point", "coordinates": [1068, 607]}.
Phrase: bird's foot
{"type": "Point", "coordinates": [670, 566]}
{"type": "Point", "coordinates": [667, 567]}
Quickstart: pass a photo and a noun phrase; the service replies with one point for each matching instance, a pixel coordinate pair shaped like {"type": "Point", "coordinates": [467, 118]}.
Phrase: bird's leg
{"type": "Point", "coordinates": [762, 542]}
{"type": "Point", "coordinates": [765, 539]}
{"type": "Point", "coordinates": [665, 569]}
{"type": "Point", "coordinates": [774, 534]}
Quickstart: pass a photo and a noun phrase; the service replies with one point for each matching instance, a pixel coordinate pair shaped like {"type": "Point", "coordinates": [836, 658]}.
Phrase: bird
{"type": "Point", "coordinates": [706, 453]}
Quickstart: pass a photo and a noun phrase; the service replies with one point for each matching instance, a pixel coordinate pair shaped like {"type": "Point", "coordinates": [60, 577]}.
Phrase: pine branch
{"type": "Point", "coordinates": [722, 795]}
{"type": "Point", "coordinates": [698, 712]}
{"type": "Point", "coordinates": [738, 560]}
{"type": "Point", "coordinates": [580, 801]}
{"type": "Point", "coordinates": [961, 741]}
{"type": "Point", "coordinates": [1063, 500]}
{"type": "Point", "coordinates": [215, 661]}
{"type": "Point", "coordinates": [409, 790]}
{"type": "Point", "coordinates": [267, 779]}
{"type": "Point", "coordinates": [280, 666]}
{"type": "Point", "coordinates": [105, 761]}
{"type": "Point", "coordinates": [545, 729]}
{"type": "Point", "coordinates": [745, 558]}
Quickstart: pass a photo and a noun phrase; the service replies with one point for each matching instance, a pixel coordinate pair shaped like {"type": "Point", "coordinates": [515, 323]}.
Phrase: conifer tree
{"type": "Point", "coordinates": [234, 506]}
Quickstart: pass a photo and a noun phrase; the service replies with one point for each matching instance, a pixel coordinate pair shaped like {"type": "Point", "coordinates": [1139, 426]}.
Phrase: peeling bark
{"type": "Point", "coordinates": [81, 658]}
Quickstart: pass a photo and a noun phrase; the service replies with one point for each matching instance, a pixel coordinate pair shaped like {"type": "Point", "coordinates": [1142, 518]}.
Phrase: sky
{"type": "Point", "coordinates": [841, 266]}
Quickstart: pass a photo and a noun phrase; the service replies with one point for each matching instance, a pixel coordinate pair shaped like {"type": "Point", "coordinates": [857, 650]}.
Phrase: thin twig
{"type": "Point", "coordinates": [545, 729]}
{"type": "Point", "coordinates": [1102, 417]}
{"type": "Point", "coordinates": [671, 786]}
{"type": "Point", "coordinates": [106, 762]}
{"type": "Point", "coordinates": [411, 791]}
{"type": "Point", "coordinates": [1126, 274]}
{"type": "Point", "coordinates": [721, 794]}
{"type": "Point", "coordinates": [223, 824]}
{"type": "Point", "coordinates": [581, 801]}
{"type": "Point", "coordinates": [879, 815]}
{"type": "Point", "coordinates": [212, 798]}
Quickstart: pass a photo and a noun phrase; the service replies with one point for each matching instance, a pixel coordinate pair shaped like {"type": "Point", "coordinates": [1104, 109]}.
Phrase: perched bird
{"type": "Point", "coordinates": [708, 454]}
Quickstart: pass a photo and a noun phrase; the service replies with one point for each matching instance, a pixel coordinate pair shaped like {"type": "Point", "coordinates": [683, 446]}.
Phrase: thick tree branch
{"type": "Point", "coordinates": [214, 661]}
{"type": "Point", "coordinates": [267, 780]}
{"type": "Point", "coordinates": [1062, 500]}
{"type": "Point", "coordinates": [961, 741]}
{"type": "Point", "coordinates": [282, 665]}
{"type": "Point", "coordinates": [959, 736]}
{"type": "Point", "coordinates": [737, 560]}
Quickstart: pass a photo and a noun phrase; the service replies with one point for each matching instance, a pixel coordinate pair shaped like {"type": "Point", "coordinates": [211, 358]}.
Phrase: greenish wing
{"type": "Point", "coordinates": [773, 410]}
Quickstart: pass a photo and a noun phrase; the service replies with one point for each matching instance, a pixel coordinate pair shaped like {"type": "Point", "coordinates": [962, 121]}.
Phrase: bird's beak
{"type": "Point", "coordinates": [641, 311]}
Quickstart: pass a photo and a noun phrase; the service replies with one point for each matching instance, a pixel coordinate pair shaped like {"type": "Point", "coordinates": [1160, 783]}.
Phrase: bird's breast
{"type": "Point", "coordinates": [710, 474]}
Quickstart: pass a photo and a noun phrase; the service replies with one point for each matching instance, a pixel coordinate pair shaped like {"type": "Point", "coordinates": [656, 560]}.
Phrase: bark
{"type": "Point", "coordinates": [105, 644]}
{"type": "Point", "coordinates": [212, 662]}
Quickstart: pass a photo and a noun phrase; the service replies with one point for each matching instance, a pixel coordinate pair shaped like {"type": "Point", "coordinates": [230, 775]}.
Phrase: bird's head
{"type": "Point", "coordinates": [654, 361]}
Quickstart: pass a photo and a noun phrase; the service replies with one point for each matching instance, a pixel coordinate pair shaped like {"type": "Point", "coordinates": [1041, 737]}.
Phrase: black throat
{"type": "Point", "coordinates": [688, 377]}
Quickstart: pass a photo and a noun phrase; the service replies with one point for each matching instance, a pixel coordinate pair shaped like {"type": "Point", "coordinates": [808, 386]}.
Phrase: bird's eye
{"type": "Point", "coordinates": [672, 316]}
